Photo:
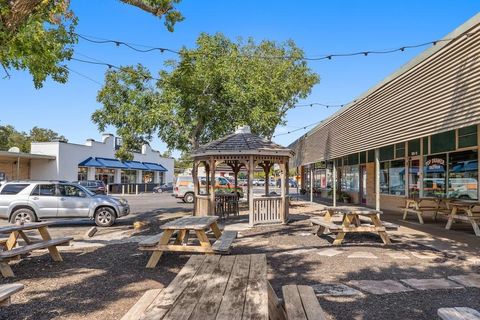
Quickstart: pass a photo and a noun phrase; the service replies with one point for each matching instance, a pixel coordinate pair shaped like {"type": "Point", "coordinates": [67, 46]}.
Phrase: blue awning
{"type": "Point", "coordinates": [155, 166]}
{"type": "Point", "coordinates": [90, 162]}
{"type": "Point", "coordinates": [135, 165]}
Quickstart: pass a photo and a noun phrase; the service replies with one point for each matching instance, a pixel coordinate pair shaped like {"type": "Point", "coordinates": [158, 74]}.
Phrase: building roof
{"type": "Point", "coordinates": [242, 142]}
{"type": "Point", "coordinates": [24, 155]}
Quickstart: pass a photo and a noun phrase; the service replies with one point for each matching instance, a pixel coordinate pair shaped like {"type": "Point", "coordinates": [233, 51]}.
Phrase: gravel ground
{"type": "Point", "coordinates": [103, 283]}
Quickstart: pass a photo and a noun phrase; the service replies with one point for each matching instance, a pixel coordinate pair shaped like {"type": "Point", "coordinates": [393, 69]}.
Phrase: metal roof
{"type": "Point", "coordinates": [24, 155]}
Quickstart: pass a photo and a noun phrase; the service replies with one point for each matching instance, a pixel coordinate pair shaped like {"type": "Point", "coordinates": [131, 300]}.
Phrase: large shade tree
{"type": "Point", "coordinates": [38, 35]}
{"type": "Point", "coordinates": [206, 93]}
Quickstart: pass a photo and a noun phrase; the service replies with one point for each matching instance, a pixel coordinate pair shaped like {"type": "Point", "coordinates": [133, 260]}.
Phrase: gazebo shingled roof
{"type": "Point", "coordinates": [241, 141]}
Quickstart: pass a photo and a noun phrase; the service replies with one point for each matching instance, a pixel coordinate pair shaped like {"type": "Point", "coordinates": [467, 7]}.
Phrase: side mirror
{"type": "Point", "coordinates": [82, 194]}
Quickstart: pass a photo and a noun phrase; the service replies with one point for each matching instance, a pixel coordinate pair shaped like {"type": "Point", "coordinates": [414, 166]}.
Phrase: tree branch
{"type": "Point", "coordinates": [155, 10]}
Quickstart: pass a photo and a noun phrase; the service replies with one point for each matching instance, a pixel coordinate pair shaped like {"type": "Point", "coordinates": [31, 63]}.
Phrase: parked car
{"type": "Point", "coordinates": [30, 201]}
{"type": "Point", "coordinates": [163, 188]}
{"type": "Point", "coordinates": [184, 187]}
{"type": "Point", "coordinates": [291, 183]}
{"type": "Point", "coordinates": [258, 182]}
{"type": "Point", "coordinates": [96, 186]}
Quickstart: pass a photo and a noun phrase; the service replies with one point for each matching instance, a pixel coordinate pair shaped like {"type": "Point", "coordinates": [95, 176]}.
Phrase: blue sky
{"type": "Point", "coordinates": [318, 27]}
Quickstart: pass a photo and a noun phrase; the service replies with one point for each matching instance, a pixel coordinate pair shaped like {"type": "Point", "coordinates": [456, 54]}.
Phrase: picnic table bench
{"type": "Point", "coordinates": [354, 220]}
{"type": "Point", "coordinates": [178, 231]}
{"type": "Point", "coordinates": [414, 205]}
{"type": "Point", "coordinates": [458, 313]}
{"type": "Point", "coordinates": [463, 210]}
{"type": "Point", "coordinates": [210, 287]}
{"type": "Point", "coordinates": [6, 292]}
{"type": "Point", "coordinates": [12, 251]}
{"type": "Point", "coordinates": [301, 303]}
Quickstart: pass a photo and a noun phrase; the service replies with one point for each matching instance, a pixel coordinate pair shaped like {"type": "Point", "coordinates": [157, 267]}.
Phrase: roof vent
{"type": "Point", "coordinates": [243, 129]}
{"type": "Point", "coordinates": [14, 149]}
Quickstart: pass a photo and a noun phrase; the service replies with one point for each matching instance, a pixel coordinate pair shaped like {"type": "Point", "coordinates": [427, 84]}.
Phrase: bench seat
{"type": "Point", "coordinates": [388, 225]}
{"type": "Point", "coordinates": [301, 303]}
{"type": "Point", "coordinates": [153, 240]}
{"type": "Point", "coordinates": [326, 224]}
{"type": "Point", "coordinates": [224, 243]}
{"type": "Point", "coordinates": [7, 290]}
{"type": "Point", "coordinates": [458, 313]}
{"type": "Point", "coordinates": [34, 246]}
{"type": "Point", "coordinates": [136, 312]}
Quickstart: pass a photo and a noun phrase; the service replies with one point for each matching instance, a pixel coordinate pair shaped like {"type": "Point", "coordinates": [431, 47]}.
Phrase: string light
{"type": "Point", "coordinates": [323, 57]}
{"type": "Point", "coordinates": [296, 130]}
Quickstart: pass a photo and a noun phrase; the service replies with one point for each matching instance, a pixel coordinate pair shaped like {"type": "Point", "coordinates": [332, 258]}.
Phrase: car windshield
{"type": "Point", "coordinates": [90, 193]}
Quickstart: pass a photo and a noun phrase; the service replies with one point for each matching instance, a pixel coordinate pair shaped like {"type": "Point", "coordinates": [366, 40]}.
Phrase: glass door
{"type": "Point", "coordinates": [414, 177]}
{"type": "Point", "coordinates": [363, 184]}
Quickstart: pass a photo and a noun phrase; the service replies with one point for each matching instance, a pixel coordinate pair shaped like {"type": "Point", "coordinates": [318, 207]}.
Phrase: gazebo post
{"type": "Point", "coordinates": [287, 189]}
{"type": "Point", "coordinates": [212, 185]}
{"type": "Point", "coordinates": [283, 189]}
{"type": "Point", "coordinates": [196, 189]}
{"type": "Point", "coordinates": [251, 168]}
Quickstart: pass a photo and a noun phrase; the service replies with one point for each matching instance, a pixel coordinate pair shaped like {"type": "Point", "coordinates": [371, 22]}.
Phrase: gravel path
{"type": "Point", "coordinates": [104, 282]}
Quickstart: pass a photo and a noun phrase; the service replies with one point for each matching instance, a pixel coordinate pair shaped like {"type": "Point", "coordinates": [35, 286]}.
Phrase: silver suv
{"type": "Point", "coordinates": [30, 201]}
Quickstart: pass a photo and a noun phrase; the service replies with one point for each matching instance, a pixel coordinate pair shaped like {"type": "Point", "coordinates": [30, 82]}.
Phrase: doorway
{"type": "Point", "coordinates": [363, 184]}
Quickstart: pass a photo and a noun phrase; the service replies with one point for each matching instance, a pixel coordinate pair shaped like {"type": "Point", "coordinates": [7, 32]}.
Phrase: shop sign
{"type": "Point", "coordinates": [435, 163]}
{"type": "Point", "coordinates": [320, 165]}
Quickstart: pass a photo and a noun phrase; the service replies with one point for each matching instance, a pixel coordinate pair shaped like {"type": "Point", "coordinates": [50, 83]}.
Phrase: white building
{"type": "Point", "coordinates": [95, 160]}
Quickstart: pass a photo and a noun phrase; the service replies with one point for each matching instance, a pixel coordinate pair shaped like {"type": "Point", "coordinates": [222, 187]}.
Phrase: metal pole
{"type": "Point", "coordinates": [334, 182]}
{"type": "Point", "coordinates": [311, 185]}
{"type": "Point", "coordinates": [377, 179]}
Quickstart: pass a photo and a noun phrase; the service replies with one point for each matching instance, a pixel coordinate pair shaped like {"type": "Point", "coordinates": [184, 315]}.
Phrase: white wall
{"type": "Point", "coordinates": [69, 155]}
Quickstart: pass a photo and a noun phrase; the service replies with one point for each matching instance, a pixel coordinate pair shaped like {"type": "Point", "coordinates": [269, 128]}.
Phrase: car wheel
{"type": "Point", "coordinates": [104, 217]}
{"type": "Point", "coordinates": [189, 198]}
{"type": "Point", "coordinates": [24, 214]}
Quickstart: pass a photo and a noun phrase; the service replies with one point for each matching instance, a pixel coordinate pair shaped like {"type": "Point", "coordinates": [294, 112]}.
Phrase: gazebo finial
{"type": "Point", "coordinates": [243, 129]}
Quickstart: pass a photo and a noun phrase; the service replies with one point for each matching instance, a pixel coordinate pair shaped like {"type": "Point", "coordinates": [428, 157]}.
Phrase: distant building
{"type": "Point", "coordinates": [95, 160]}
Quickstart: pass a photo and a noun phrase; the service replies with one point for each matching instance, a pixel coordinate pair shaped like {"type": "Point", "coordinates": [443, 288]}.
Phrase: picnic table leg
{"type": "Point", "coordinates": [216, 230]}
{"type": "Point", "coordinates": [6, 270]}
{"type": "Point", "coordinates": [152, 262]}
{"type": "Point", "coordinates": [474, 223]}
{"type": "Point", "coordinates": [419, 212]}
{"type": "Point", "coordinates": [383, 234]}
{"type": "Point", "coordinates": [181, 237]}
{"type": "Point", "coordinates": [328, 215]}
{"type": "Point", "coordinates": [451, 217]}
{"type": "Point", "coordinates": [347, 221]}
{"type": "Point", "coordinates": [204, 242]}
{"type": "Point", "coordinates": [12, 240]}
{"type": "Point", "coordinates": [25, 237]}
{"type": "Point", "coordinates": [53, 249]}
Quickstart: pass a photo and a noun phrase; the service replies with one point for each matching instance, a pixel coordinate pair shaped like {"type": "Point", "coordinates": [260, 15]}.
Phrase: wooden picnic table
{"type": "Point", "coordinates": [12, 250]}
{"type": "Point", "coordinates": [181, 228]}
{"type": "Point", "coordinates": [352, 222]}
{"type": "Point", "coordinates": [414, 205]}
{"type": "Point", "coordinates": [463, 210]}
{"type": "Point", "coordinates": [210, 287]}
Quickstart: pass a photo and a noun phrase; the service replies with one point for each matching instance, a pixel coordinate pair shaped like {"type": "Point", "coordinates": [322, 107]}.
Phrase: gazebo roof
{"type": "Point", "coordinates": [242, 142]}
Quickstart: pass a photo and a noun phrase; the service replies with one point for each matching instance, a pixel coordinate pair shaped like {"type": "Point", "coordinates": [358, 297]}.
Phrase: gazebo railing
{"type": "Point", "coordinates": [202, 206]}
{"type": "Point", "coordinates": [268, 210]}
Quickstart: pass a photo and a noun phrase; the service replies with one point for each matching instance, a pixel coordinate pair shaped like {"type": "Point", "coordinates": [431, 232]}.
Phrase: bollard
{"type": "Point", "coordinates": [136, 189]}
{"type": "Point", "coordinates": [123, 190]}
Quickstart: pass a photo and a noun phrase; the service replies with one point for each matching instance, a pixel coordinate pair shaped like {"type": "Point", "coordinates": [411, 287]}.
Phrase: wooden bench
{"type": "Point", "coordinates": [325, 225]}
{"type": "Point", "coordinates": [138, 308]}
{"type": "Point", "coordinates": [301, 303]}
{"type": "Point", "coordinates": [388, 225]}
{"type": "Point", "coordinates": [6, 292]}
{"type": "Point", "coordinates": [420, 212]}
{"type": "Point", "coordinates": [5, 255]}
{"type": "Point", "coordinates": [458, 313]}
{"type": "Point", "coordinates": [224, 243]}
{"type": "Point", "coordinates": [153, 240]}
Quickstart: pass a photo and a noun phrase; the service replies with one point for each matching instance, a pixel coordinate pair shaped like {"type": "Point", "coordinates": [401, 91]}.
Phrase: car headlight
{"type": "Point", "coordinates": [123, 201]}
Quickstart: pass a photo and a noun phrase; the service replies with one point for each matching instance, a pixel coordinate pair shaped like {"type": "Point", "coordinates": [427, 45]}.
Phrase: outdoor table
{"type": "Point", "coordinates": [12, 251]}
{"type": "Point", "coordinates": [351, 222]}
{"type": "Point", "coordinates": [210, 287]}
{"type": "Point", "coordinates": [181, 227]}
{"type": "Point", "coordinates": [414, 205]}
{"type": "Point", "coordinates": [463, 210]}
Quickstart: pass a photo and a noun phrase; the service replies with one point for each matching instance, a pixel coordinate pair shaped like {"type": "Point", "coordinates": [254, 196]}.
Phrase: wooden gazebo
{"type": "Point", "coordinates": [245, 151]}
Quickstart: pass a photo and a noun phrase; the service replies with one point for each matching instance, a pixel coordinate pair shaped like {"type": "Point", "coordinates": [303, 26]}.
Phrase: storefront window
{"type": "Point", "coordinates": [105, 175]}
{"type": "Point", "coordinates": [392, 177]}
{"type": "Point", "coordinates": [350, 178]}
{"type": "Point", "coordinates": [147, 176]}
{"type": "Point", "coordinates": [463, 175]}
{"type": "Point", "coordinates": [82, 173]}
{"type": "Point", "coordinates": [129, 176]}
{"type": "Point", "coordinates": [435, 175]}
{"type": "Point", "coordinates": [396, 177]}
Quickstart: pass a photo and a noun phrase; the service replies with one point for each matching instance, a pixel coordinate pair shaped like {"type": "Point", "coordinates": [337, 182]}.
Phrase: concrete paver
{"type": "Point", "coordinates": [379, 287]}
